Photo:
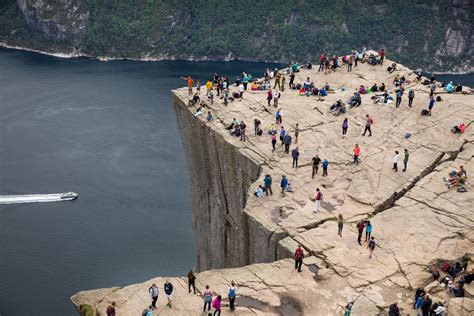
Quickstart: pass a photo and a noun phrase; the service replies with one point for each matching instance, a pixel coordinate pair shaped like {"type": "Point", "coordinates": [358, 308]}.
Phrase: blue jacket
{"type": "Point", "coordinates": [284, 182]}
{"type": "Point", "coordinates": [325, 163]}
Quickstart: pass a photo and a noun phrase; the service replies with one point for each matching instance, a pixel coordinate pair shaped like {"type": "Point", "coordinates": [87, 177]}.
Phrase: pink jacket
{"type": "Point", "coordinates": [216, 304]}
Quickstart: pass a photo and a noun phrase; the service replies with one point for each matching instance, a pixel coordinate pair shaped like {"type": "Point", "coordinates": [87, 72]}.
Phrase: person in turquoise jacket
{"type": "Point", "coordinates": [368, 230]}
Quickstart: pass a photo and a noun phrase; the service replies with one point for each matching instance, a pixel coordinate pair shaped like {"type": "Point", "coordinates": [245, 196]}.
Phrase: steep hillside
{"type": "Point", "coordinates": [435, 35]}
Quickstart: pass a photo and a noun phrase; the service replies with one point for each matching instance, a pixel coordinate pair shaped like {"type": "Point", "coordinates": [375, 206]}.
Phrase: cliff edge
{"type": "Point", "coordinates": [417, 220]}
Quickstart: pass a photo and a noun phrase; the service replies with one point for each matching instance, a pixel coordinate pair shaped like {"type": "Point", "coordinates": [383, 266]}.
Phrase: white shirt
{"type": "Point", "coordinates": [395, 158]}
{"type": "Point", "coordinates": [259, 192]}
{"type": "Point", "coordinates": [241, 88]}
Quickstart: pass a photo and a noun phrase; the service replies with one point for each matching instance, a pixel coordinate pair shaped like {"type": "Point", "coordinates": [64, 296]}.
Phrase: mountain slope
{"type": "Point", "coordinates": [435, 35]}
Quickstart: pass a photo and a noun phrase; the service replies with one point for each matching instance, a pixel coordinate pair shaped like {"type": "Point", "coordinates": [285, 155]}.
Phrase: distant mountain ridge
{"type": "Point", "coordinates": [432, 35]}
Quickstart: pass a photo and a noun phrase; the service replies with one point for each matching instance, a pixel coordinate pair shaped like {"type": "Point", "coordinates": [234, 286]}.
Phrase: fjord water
{"type": "Point", "coordinates": [107, 131]}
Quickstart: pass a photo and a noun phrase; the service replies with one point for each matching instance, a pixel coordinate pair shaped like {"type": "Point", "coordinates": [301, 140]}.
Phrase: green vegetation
{"type": "Point", "coordinates": [412, 32]}
{"type": "Point", "coordinates": [87, 310]}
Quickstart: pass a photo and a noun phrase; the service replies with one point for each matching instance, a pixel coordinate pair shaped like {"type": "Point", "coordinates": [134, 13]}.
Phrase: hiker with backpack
{"type": "Point", "coordinates": [168, 287]}
{"type": "Point", "coordinates": [267, 182]}
{"type": "Point", "coordinates": [207, 296]}
{"type": "Point", "coordinates": [299, 255]}
{"type": "Point", "coordinates": [232, 292]}
{"type": "Point", "coordinates": [371, 246]}
{"type": "Point", "coordinates": [153, 290]}
{"type": "Point", "coordinates": [295, 154]}
{"type": "Point", "coordinates": [217, 305]}
{"type": "Point", "coordinates": [315, 162]}
{"type": "Point", "coordinates": [283, 184]}
{"type": "Point", "coordinates": [317, 200]}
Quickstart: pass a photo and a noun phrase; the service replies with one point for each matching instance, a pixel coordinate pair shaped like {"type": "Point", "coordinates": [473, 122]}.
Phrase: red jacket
{"type": "Point", "coordinates": [299, 253]}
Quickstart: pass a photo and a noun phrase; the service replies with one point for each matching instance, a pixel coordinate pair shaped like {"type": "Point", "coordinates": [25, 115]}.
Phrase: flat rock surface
{"type": "Point", "coordinates": [416, 218]}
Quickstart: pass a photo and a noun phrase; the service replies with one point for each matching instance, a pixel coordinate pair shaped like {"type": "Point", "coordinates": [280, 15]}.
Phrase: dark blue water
{"type": "Point", "coordinates": [107, 131]}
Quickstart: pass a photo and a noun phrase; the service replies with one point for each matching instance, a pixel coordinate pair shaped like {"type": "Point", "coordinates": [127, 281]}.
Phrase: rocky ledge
{"type": "Point", "coordinates": [417, 220]}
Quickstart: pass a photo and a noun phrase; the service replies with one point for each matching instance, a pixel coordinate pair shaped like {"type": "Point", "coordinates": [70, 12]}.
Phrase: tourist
{"type": "Point", "coordinates": [299, 255]}
{"type": "Point", "coordinates": [356, 154]}
{"type": "Point", "coordinates": [168, 287]}
{"type": "Point", "coordinates": [217, 305]}
{"type": "Point", "coordinates": [256, 125]}
{"type": "Point", "coordinates": [191, 281]}
{"type": "Point", "coordinates": [226, 97]}
{"type": "Point", "coordinates": [382, 56]}
{"type": "Point", "coordinates": [232, 292]}
{"type": "Point", "coordinates": [148, 311]}
{"type": "Point", "coordinates": [371, 246]}
{"type": "Point", "coordinates": [393, 309]}
{"type": "Point", "coordinates": [269, 96]}
{"type": "Point", "coordinates": [276, 97]}
{"type": "Point", "coordinates": [340, 224]}
{"type": "Point", "coordinates": [283, 184]}
{"type": "Point", "coordinates": [405, 160]}
{"type": "Point", "coordinates": [432, 89]}
{"type": "Point", "coordinates": [350, 62]}
{"type": "Point", "coordinates": [153, 290]}
{"type": "Point", "coordinates": [317, 200]}
{"type": "Point", "coordinates": [419, 300]}
{"type": "Point", "coordinates": [287, 141]}
{"type": "Point", "coordinates": [110, 311]}
{"type": "Point", "coordinates": [207, 296]}
{"type": "Point", "coordinates": [325, 165]}
{"type": "Point", "coordinates": [399, 94]}
{"type": "Point", "coordinates": [322, 58]}
{"type": "Point", "coordinates": [295, 154]}
{"type": "Point", "coordinates": [208, 87]}
{"type": "Point", "coordinates": [277, 79]}
{"type": "Point", "coordinates": [267, 182]}
{"type": "Point", "coordinates": [259, 192]}
{"type": "Point", "coordinates": [395, 161]}
{"type": "Point", "coordinates": [297, 133]}
{"type": "Point", "coordinates": [315, 161]}
{"type": "Point", "coordinates": [360, 229]}
{"type": "Point", "coordinates": [368, 124]}
{"type": "Point", "coordinates": [282, 135]}
{"type": "Point", "coordinates": [278, 116]}
{"type": "Point", "coordinates": [274, 140]}
{"type": "Point", "coordinates": [209, 117]}
{"type": "Point", "coordinates": [198, 87]}
{"type": "Point", "coordinates": [345, 125]}
{"type": "Point", "coordinates": [431, 104]}
{"type": "Point", "coordinates": [283, 80]}
{"type": "Point", "coordinates": [411, 96]}
{"type": "Point", "coordinates": [440, 310]}
{"type": "Point", "coordinates": [242, 131]}
{"type": "Point", "coordinates": [425, 308]}
{"type": "Point", "coordinates": [190, 84]}
{"type": "Point", "coordinates": [292, 80]}
{"type": "Point", "coordinates": [368, 230]}
{"type": "Point", "coordinates": [241, 91]}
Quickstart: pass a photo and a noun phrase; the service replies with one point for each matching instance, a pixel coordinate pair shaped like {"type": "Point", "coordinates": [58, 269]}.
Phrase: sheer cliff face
{"type": "Point", "coordinates": [220, 177]}
{"type": "Point", "coordinates": [59, 19]}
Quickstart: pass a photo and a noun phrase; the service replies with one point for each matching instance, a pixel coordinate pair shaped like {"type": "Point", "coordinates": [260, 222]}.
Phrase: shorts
{"type": "Point", "coordinates": [170, 297]}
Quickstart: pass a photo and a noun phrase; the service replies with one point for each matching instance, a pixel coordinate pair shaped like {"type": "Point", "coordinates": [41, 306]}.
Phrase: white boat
{"type": "Point", "coordinates": [38, 198]}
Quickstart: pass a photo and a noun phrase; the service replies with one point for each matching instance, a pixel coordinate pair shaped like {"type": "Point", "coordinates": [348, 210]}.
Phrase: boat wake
{"type": "Point", "coordinates": [37, 198]}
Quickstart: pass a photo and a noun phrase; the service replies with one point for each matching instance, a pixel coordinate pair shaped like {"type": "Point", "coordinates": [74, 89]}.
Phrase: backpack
{"type": "Point", "coordinates": [411, 94]}
{"type": "Point", "coordinates": [446, 267]}
{"type": "Point", "coordinates": [232, 292]}
{"type": "Point", "coordinates": [207, 296]}
{"type": "Point", "coordinates": [371, 244]}
{"type": "Point", "coordinates": [425, 112]}
{"type": "Point", "coordinates": [438, 98]}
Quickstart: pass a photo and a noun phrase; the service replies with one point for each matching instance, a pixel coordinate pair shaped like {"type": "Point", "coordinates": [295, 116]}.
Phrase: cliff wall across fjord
{"type": "Point", "coordinates": [220, 177]}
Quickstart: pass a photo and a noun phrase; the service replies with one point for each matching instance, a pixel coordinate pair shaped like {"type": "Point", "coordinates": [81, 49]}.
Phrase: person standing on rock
{"type": "Point", "coordinates": [168, 287]}
{"type": "Point", "coordinates": [267, 181]}
{"type": "Point", "coordinates": [371, 246]}
{"type": "Point", "coordinates": [356, 154]}
{"type": "Point", "coordinates": [279, 116]}
{"type": "Point", "coordinates": [399, 94]}
{"type": "Point", "coordinates": [360, 229]}
{"type": "Point", "coordinates": [292, 79]}
{"type": "Point", "coordinates": [110, 311]}
{"type": "Point", "coordinates": [241, 90]}
{"type": "Point", "coordinates": [318, 197]}
{"type": "Point", "coordinates": [277, 79]}
{"type": "Point", "coordinates": [395, 159]}
{"type": "Point", "coordinates": [276, 97]}
{"type": "Point", "coordinates": [287, 140]}
{"type": "Point", "coordinates": [295, 154]}
{"type": "Point", "coordinates": [316, 160]}
{"type": "Point", "coordinates": [299, 255]}
{"type": "Point", "coordinates": [191, 281]}
{"type": "Point", "coordinates": [368, 125]}
{"type": "Point", "coordinates": [325, 165]}
{"type": "Point", "coordinates": [242, 131]}
{"type": "Point", "coordinates": [345, 126]}
{"type": "Point", "coordinates": [282, 135]}
{"type": "Point", "coordinates": [425, 308]}
{"type": "Point", "coordinates": [283, 80]}
{"type": "Point", "coordinates": [297, 132]}
{"type": "Point", "coordinates": [411, 96]}
{"type": "Point", "coordinates": [368, 230]}
{"type": "Point", "coordinates": [350, 62]}
{"type": "Point", "coordinates": [269, 97]}
{"type": "Point", "coordinates": [283, 184]}
{"type": "Point", "coordinates": [153, 290]}
{"type": "Point", "coordinates": [217, 305]}
{"type": "Point", "coordinates": [340, 224]}
{"type": "Point", "coordinates": [382, 56]}
{"type": "Point", "coordinates": [274, 141]}
{"type": "Point", "coordinates": [405, 160]}
{"type": "Point", "coordinates": [207, 296]}
{"type": "Point", "coordinates": [232, 292]}
{"type": "Point", "coordinates": [431, 104]}
{"type": "Point", "coordinates": [190, 84]}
